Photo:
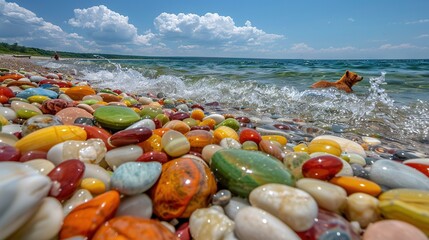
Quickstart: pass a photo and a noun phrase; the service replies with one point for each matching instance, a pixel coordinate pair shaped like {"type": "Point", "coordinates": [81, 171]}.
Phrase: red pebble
{"type": "Point", "coordinates": [96, 132]}
{"type": "Point", "coordinates": [423, 168]}
{"type": "Point", "coordinates": [33, 154]}
{"type": "Point", "coordinates": [183, 232]}
{"type": "Point", "coordinates": [179, 116]}
{"type": "Point", "coordinates": [66, 178]}
{"type": "Point", "coordinates": [249, 134]}
{"type": "Point", "coordinates": [5, 91]}
{"type": "Point", "coordinates": [153, 156]}
{"type": "Point", "coordinates": [322, 167]}
{"type": "Point", "coordinates": [130, 136]}
{"type": "Point", "coordinates": [9, 153]}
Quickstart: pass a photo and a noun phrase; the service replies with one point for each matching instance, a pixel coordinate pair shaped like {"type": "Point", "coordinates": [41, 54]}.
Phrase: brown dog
{"type": "Point", "coordinates": [345, 83]}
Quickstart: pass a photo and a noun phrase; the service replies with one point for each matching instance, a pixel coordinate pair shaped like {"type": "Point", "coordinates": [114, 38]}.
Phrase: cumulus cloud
{"type": "Point", "coordinates": [24, 27]}
{"type": "Point", "coordinates": [192, 29]}
{"type": "Point", "coordinates": [423, 36]}
{"type": "Point", "coordinates": [108, 27]}
{"type": "Point", "coordinates": [350, 19]}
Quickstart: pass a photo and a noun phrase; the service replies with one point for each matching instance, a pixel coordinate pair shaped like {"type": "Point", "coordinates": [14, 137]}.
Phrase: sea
{"type": "Point", "coordinates": [391, 103]}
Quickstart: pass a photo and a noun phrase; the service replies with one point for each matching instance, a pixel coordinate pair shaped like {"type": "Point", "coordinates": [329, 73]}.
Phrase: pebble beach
{"type": "Point", "coordinates": [80, 161]}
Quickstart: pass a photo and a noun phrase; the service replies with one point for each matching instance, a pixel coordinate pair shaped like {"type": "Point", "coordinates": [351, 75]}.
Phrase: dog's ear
{"type": "Point", "coordinates": [347, 73]}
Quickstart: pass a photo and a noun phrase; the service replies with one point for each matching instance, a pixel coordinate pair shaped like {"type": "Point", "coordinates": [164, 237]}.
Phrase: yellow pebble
{"type": "Point", "coordinates": [38, 99]}
{"type": "Point", "coordinates": [302, 147]}
{"type": "Point", "coordinates": [93, 185]}
{"type": "Point", "coordinates": [278, 138]}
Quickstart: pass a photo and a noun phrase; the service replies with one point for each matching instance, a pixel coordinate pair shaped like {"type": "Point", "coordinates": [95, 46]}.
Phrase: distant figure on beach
{"type": "Point", "coordinates": [56, 56]}
{"type": "Point", "coordinates": [345, 83]}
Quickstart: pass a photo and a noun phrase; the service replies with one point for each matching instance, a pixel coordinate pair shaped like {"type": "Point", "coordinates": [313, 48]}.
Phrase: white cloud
{"type": "Point", "coordinates": [399, 46]}
{"type": "Point", "coordinates": [423, 36]}
{"type": "Point", "coordinates": [24, 27]}
{"type": "Point", "coordinates": [351, 19]}
{"type": "Point", "coordinates": [192, 29]}
{"type": "Point", "coordinates": [108, 27]}
{"type": "Point", "coordinates": [301, 47]}
{"type": "Point", "coordinates": [418, 21]}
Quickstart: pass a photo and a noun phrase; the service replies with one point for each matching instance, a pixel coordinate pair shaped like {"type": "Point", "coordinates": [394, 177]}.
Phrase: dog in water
{"type": "Point", "coordinates": [345, 83]}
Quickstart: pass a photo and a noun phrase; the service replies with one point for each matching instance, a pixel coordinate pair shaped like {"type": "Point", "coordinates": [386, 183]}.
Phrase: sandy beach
{"type": "Point", "coordinates": [14, 63]}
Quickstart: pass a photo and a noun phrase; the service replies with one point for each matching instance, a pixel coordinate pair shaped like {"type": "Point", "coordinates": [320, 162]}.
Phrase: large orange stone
{"type": "Point", "coordinates": [86, 218]}
{"type": "Point", "coordinates": [78, 92]}
{"type": "Point", "coordinates": [128, 227]}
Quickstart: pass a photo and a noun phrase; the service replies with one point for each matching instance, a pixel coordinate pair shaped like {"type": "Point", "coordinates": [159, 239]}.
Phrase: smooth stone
{"type": "Point", "coordinates": [9, 153]}
{"type": "Point", "coordinates": [8, 113]}
{"type": "Point", "coordinates": [153, 156]}
{"type": "Point", "coordinates": [222, 197]}
{"type": "Point", "coordinates": [96, 132]}
{"type": "Point", "coordinates": [371, 141]}
{"type": "Point", "coordinates": [393, 230]}
{"type": "Point", "coordinates": [22, 189]}
{"type": "Point", "coordinates": [327, 195]}
{"type": "Point", "coordinates": [353, 158]}
{"type": "Point", "coordinates": [229, 122]}
{"type": "Point", "coordinates": [11, 129]}
{"type": "Point", "coordinates": [135, 177]}
{"type": "Point", "coordinates": [17, 105]}
{"type": "Point", "coordinates": [293, 206]}
{"type": "Point", "coordinates": [242, 171]}
{"type": "Point", "coordinates": [115, 117]}
{"type": "Point", "coordinates": [324, 145]}
{"type": "Point", "coordinates": [230, 143]}
{"type": "Point", "coordinates": [185, 185]}
{"type": "Point", "coordinates": [138, 206]}
{"type": "Point", "coordinates": [120, 155]}
{"type": "Point", "coordinates": [79, 196]}
{"type": "Point", "coordinates": [130, 136]}
{"type": "Point", "coordinates": [43, 166]}
{"type": "Point", "coordinates": [37, 91]}
{"type": "Point", "coordinates": [346, 170]}
{"type": "Point", "coordinates": [44, 224]}
{"type": "Point", "coordinates": [178, 126]}
{"type": "Point", "coordinates": [38, 122]}
{"type": "Point", "coordinates": [95, 171]}
{"type": "Point", "coordinates": [359, 171]}
{"type": "Point", "coordinates": [66, 178]}
{"type": "Point", "coordinates": [272, 149]}
{"type": "Point", "coordinates": [89, 151]}
{"type": "Point", "coordinates": [396, 175]}
{"type": "Point", "coordinates": [235, 205]}
{"type": "Point", "coordinates": [249, 134]}
{"type": "Point", "coordinates": [148, 123]}
{"type": "Point", "coordinates": [93, 185]}
{"type": "Point", "coordinates": [328, 225]}
{"type": "Point", "coordinates": [26, 114]}
{"type": "Point", "coordinates": [357, 184]}
{"type": "Point", "coordinates": [322, 167]}
{"type": "Point", "coordinates": [208, 152]}
{"type": "Point", "coordinates": [362, 208]}
{"type": "Point", "coordinates": [8, 138]}
{"type": "Point", "coordinates": [129, 227]}
{"type": "Point", "coordinates": [217, 117]}
{"type": "Point", "coordinates": [70, 114]}
{"type": "Point", "coordinates": [85, 219]}
{"type": "Point", "coordinates": [346, 145]}
{"type": "Point", "coordinates": [78, 92]}
{"type": "Point", "coordinates": [45, 138]}
{"type": "Point", "coordinates": [294, 161]}
{"type": "Point", "coordinates": [175, 144]}
{"type": "Point", "coordinates": [198, 139]}
{"type": "Point", "coordinates": [254, 224]}
{"type": "Point", "coordinates": [224, 132]}
{"type": "Point", "coordinates": [207, 223]}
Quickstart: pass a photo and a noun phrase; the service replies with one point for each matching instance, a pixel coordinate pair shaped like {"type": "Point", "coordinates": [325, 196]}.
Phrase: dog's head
{"type": "Point", "coordinates": [352, 78]}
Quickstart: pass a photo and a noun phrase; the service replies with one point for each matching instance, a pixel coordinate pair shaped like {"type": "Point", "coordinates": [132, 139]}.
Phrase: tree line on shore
{"type": "Point", "coordinates": [15, 49]}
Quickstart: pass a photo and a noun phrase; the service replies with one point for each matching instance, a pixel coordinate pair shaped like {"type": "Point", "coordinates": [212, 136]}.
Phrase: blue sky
{"type": "Point", "coordinates": [330, 29]}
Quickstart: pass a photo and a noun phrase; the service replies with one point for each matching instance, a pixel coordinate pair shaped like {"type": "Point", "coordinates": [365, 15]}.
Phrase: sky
{"type": "Point", "coordinates": [286, 29]}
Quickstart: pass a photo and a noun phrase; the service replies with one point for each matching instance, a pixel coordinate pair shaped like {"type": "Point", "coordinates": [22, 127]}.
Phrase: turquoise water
{"type": "Point", "coordinates": [392, 102]}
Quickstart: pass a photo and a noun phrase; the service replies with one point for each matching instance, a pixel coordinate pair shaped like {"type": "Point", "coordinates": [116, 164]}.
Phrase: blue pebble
{"type": "Point", "coordinates": [36, 92]}
{"type": "Point", "coordinates": [135, 177]}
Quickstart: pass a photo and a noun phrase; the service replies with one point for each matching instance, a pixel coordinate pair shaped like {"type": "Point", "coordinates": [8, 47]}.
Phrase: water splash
{"type": "Point", "coordinates": [371, 114]}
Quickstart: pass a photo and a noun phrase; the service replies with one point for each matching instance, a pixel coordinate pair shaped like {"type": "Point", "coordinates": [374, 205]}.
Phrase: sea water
{"type": "Point", "coordinates": [391, 103]}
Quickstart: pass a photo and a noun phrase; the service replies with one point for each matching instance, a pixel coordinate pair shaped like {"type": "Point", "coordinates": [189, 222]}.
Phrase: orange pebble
{"type": "Point", "coordinates": [197, 114]}
{"type": "Point", "coordinates": [86, 218]}
{"type": "Point", "coordinates": [160, 131]}
{"type": "Point", "coordinates": [78, 92]}
{"type": "Point", "coordinates": [152, 144]}
{"type": "Point", "coordinates": [208, 122]}
{"type": "Point", "coordinates": [357, 184]}
{"type": "Point", "coordinates": [128, 227]}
